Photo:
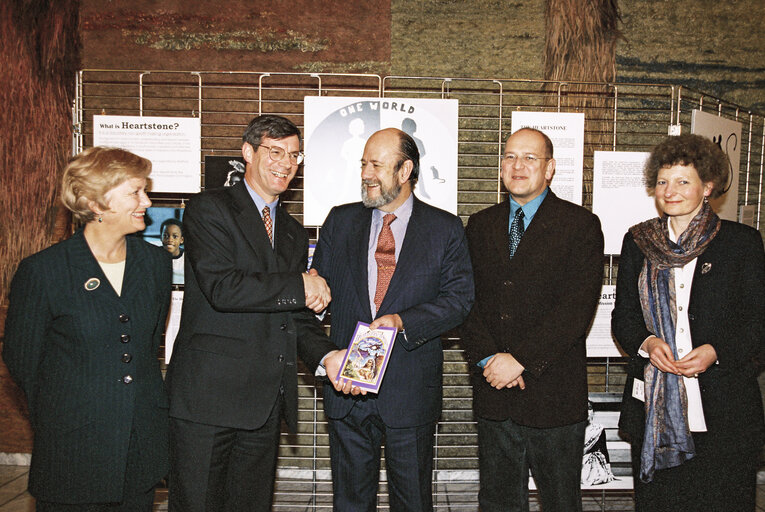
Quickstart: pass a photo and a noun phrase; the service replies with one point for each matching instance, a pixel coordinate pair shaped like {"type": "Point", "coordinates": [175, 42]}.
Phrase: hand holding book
{"type": "Point", "coordinates": [367, 355]}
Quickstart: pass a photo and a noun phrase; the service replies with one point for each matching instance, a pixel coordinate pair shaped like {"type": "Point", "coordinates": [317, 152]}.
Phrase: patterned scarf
{"type": "Point", "coordinates": [667, 441]}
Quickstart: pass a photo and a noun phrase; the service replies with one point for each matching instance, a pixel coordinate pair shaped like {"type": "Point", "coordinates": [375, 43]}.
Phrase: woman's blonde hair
{"type": "Point", "coordinates": [94, 172]}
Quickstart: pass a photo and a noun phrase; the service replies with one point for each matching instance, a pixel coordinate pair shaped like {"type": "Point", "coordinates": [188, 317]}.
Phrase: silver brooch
{"type": "Point", "coordinates": [706, 267]}
{"type": "Point", "coordinates": [92, 283]}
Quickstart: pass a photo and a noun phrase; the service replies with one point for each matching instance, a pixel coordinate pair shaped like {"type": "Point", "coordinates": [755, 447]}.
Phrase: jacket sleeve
{"type": "Point", "coordinates": [476, 338]}
{"type": "Point", "coordinates": [210, 245]}
{"type": "Point", "coordinates": [747, 306]}
{"type": "Point", "coordinates": [164, 289]}
{"type": "Point", "coordinates": [312, 341]}
{"type": "Point", "coordinates": [25, 327]}
{"type": "Point", "coordinates": [455, 296]}
{"type": "Point", "coordinates": [627, 321]}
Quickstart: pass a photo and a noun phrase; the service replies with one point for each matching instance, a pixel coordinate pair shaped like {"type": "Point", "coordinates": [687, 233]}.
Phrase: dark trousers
{"type": "Point", "coordinates": [715, 480]}
{"type": "Point", "coordinates": [218, 469]}
{"type": "Point", "coordinates": [507, 450]}
{"type": "Point", "coordinates": [143, 502]}
{"type": "Point", "coordinates": [355, 442]}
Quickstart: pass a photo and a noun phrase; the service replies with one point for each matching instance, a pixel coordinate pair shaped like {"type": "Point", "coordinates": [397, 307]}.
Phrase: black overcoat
{"type": "Point", "coordinates": [536, 306]}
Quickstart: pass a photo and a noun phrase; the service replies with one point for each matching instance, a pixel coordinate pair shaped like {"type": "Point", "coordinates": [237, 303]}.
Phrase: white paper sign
{"type": "Point", "coordinates": [173, 145]}
{"type": "Point", "coordinates": [337, 128]}
{"type": "Point", "coordinates": [173, 323]}
{"type": "Point", "coordinates": [566, 131]}
{"type": "Point", "coordinates": [727, 135]}
{"type": "Point", "coordinates": [600, 343]}
{"type": "Point", "coordinates": [619, 195]}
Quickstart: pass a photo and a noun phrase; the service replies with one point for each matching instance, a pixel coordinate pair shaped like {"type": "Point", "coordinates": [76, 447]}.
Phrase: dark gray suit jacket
{"type": "Point", "coordinates": [431, 289]}
{"type": "Point", "coordinates": [244, 318]}
{"type": "Point", "coordinates": [537, 307]}
{"type": "Point", "coordinates": [69, 349]}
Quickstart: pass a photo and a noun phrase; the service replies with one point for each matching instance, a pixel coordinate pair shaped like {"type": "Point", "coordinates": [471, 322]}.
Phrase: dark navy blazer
{"type": "Point", "coordinates": [431, 289]}
{"type": "Point", "coordinates": [87, 360]}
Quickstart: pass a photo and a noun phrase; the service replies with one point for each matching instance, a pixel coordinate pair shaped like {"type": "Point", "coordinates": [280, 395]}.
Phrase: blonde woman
{"type": "Point", "coordinates": [84, 324]}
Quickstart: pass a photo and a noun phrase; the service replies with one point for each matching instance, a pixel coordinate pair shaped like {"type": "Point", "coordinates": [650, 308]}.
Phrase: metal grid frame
{"type": "Point", "coordinates": [628, 117]}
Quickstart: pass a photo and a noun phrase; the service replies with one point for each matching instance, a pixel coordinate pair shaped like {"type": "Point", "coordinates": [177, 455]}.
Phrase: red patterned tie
{"type": "Point", "coordinates": [385, 256]}
{"type": "Point", "coordinates": [269, 224]}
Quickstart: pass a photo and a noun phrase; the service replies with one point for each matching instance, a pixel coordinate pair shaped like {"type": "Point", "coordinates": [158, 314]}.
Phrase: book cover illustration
{"type": "Point", "coordinates": [367, 356]}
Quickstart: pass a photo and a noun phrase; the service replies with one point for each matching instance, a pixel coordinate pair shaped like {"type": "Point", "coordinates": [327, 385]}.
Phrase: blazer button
{"type": "Point", "coordinates": [283, 326]}
{"type": "Point", "coordinates": [691, 317]}
{"type": "Point", "coordinates": [504, 316]}
{"type": "Point", "coordinates": [127, 379]}
{"type": "Point", "coordinates": [124, 318]}
{"type": "Point", "coordinates": [507, 283]}
{"type": "Point", "coordinates": [126, 358]}
{"type": "Point", "coordinates": [125, 338]}
{"type": "Point", "coordinates": [281, 358]}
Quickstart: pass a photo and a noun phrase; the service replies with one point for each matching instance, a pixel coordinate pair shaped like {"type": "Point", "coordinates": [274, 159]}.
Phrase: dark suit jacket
{"type": "Point", "coordinates": [726, 310]}
{"type": "Point", "coordinates": [431, 289]}
{"type": "Point", "coordinates": [244, 316]}
{"type": "Point", "coordinates": [536, 307]}
{"type": "Point", "coordinates": [70, 348]}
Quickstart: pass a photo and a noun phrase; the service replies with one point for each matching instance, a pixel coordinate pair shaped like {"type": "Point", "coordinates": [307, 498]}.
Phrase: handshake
{"type": "Point", "coordinates": [317, 293]}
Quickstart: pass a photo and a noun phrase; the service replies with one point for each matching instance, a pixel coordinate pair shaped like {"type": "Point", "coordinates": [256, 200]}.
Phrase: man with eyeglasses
{"type": "Point", "coordinates": [538, 267]}
{"type": "Point", "coordinates": [247, 313]}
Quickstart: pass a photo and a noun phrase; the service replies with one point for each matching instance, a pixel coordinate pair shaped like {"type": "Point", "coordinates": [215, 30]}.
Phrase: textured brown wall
{"type": "Point", "coordinates": [714, 47]}
{"type": "Point", "coordinates": [478, 38]}
{"type": "Point", "coordinates": [237, 35]}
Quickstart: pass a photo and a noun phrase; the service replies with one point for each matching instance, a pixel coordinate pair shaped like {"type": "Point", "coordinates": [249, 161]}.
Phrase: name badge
{"type": "Point", "coordinates": [638, 390]}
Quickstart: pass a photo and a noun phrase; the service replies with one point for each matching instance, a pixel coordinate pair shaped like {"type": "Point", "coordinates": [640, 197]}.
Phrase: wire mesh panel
{"type": "Point", "coordinates": [618, 117]}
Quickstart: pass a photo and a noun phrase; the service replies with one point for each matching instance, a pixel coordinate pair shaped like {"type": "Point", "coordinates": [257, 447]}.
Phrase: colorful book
{"type": "Point", "coordinates": [367, 356]}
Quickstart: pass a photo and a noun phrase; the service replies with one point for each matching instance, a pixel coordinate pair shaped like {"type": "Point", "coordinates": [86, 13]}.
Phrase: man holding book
{"type": "Point", "coordinates": [391, 261]}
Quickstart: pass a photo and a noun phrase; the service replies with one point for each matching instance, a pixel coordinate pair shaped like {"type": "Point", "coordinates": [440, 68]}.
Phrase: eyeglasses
{"type": "Point", "coordinates": [527, 159]}
{"type": "Point", "coordinates": [277, 154]}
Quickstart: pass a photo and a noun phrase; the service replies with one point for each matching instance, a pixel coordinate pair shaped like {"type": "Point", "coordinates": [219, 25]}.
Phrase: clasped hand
{"type": "Point", "coordinates": [504, 371]}
{"type": "Point", "coordinates": [691, 365]}
{"type": "Point", "coordinates": [317, 293]}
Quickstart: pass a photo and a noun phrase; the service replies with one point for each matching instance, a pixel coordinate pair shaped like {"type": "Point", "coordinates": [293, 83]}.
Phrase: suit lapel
{"type": "Point", "coordinates": [247, 216]}
{"type": "Point", "coordinates": [285, 243]}
{"type": "Point", "coordinates": [498, 233]}
{"type": "Point", "coordinates": [537, 232]}
{"type": "Point", "coordinates": [408, 257]}
{"type": "Point", "coordinates": [359, 256]}
{"type": "Point", "coordinates": [136, 270]}
{"type": "Point", "coordinates": [85, 269]}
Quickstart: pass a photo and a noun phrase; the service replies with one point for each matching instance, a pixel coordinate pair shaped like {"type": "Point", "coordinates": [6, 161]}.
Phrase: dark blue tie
{"type": "Point", "coordinates": [516, 231]}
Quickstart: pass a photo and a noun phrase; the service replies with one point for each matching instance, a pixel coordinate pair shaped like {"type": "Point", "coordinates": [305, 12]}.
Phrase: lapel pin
{"type": "Point", "coordinates": [706, 267]}
{"type": "Point", "coordinates": [92, 283]}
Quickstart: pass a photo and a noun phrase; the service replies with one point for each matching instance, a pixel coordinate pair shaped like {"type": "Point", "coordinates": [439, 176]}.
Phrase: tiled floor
{"type": "Point", "coordinates": [298, 496]}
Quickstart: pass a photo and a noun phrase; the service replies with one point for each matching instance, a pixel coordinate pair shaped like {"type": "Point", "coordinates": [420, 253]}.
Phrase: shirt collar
{"type": "Point", "coordinates": [402, 213]}
{"type": "Point", "coordinates": [530, 208]}
{"type": "Point", "coordinates": [259, 201]}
